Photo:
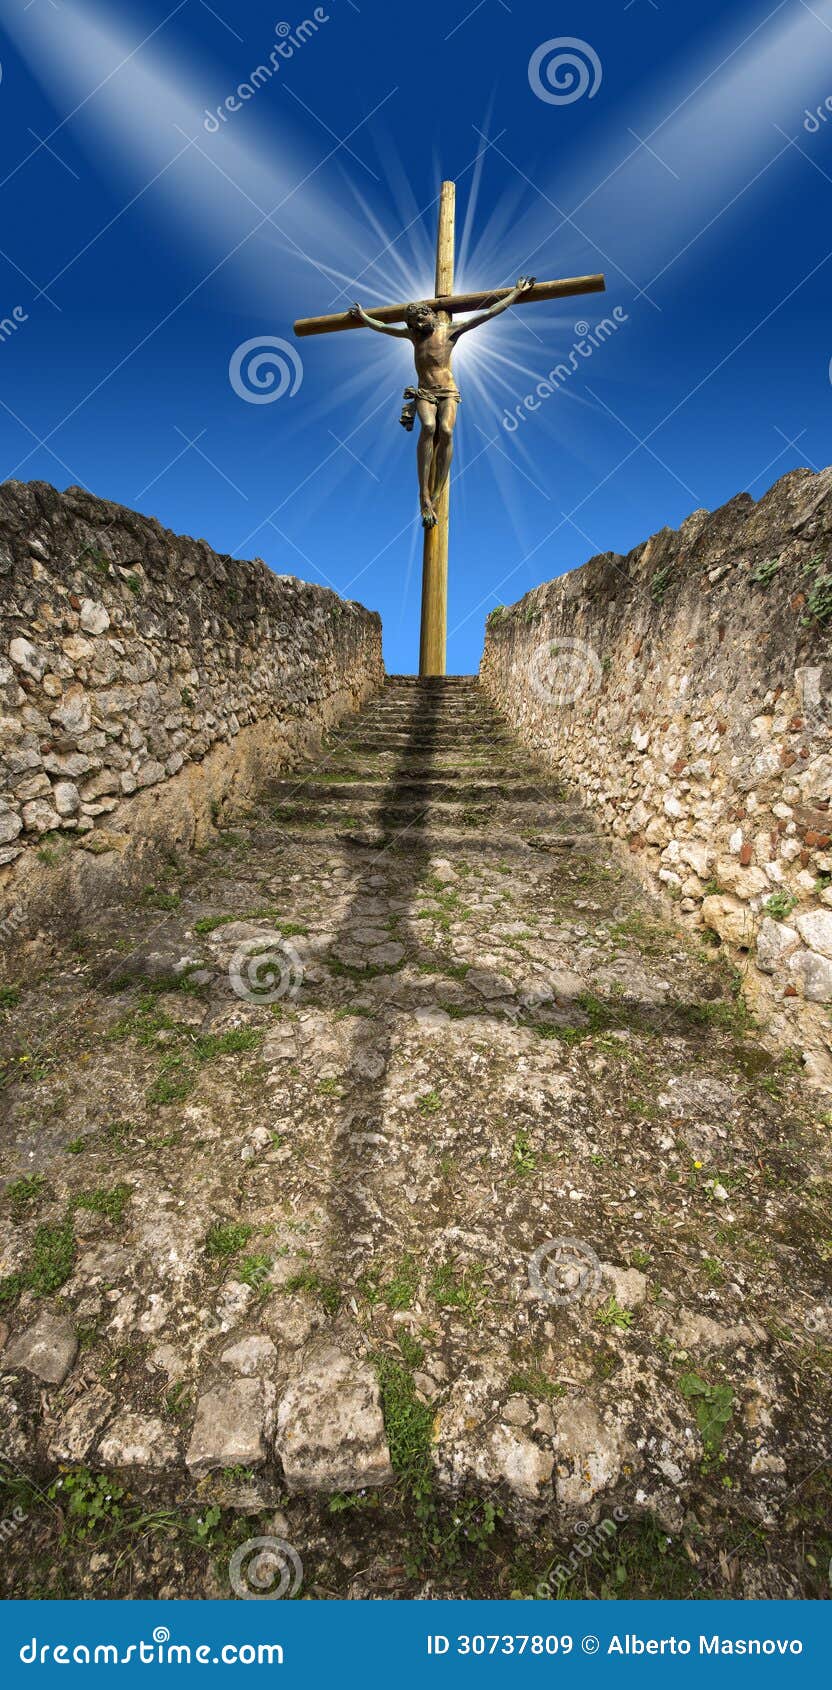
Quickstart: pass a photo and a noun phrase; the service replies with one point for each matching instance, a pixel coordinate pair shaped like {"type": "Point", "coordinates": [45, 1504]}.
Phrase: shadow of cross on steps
{"type": "Point", "coordinates": [394, 774]}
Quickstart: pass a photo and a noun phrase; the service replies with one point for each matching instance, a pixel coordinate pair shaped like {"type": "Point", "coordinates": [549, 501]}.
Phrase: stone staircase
{"type": "Point", "coordinates": [394, 1150]}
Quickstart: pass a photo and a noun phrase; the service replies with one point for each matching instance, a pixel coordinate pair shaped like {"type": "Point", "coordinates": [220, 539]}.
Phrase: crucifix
{"type": "Point", "coordinates": [429, 326]}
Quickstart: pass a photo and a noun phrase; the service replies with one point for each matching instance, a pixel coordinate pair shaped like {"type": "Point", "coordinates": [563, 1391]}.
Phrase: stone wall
{"type": "Point", "coordinates": [683, 692]}
{"type": "Point", "coordinates": [147, 686]}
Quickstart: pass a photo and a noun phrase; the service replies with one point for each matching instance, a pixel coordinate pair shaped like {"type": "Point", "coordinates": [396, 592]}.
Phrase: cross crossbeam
{"type": "Point", "coordinates": [433, 334]}
{"type": "Point", "coordinates": [563, 289]}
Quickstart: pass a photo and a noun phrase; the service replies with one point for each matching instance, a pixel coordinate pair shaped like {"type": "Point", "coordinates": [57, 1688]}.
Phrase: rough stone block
{"type": "Point", "coordinates": [330, 1430]}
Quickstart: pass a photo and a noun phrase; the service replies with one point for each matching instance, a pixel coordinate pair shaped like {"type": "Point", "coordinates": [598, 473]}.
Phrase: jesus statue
{"type": "Point", "coordinates": [434, 335]}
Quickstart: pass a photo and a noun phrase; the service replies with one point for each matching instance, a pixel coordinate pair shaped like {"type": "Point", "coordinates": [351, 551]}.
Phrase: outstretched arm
{"type": "Point", "coordinates": [523, 285]}
{"type": "Point", "coordinates": [369, 322]}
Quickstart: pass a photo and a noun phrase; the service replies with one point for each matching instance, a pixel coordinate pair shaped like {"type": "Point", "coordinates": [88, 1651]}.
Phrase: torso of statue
{"type": "Point", "coordinates": [432, 355]}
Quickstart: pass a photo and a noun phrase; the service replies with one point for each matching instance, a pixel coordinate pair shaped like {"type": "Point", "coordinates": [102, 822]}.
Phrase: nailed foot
{"type": "Point", "coordinates": [428, 514]}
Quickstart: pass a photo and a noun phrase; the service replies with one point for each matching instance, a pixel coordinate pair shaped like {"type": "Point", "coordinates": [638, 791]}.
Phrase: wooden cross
{"type": "Point", "coordinates": [433, 639]}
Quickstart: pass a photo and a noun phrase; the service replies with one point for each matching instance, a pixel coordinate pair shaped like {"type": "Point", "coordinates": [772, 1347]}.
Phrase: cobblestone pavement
{"type": "Point", "coordinates": [392, 1182]}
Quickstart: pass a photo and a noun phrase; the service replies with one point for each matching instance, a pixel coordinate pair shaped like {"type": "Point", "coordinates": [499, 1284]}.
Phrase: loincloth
{"type": "Point", "coordinates": [431, 395]}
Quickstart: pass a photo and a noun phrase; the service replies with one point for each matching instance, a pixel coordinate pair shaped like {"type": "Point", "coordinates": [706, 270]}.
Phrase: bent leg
{"type": "Point", "coordinates": [424, 459]}
{"type": "Point", "coordinates": [444, 449]}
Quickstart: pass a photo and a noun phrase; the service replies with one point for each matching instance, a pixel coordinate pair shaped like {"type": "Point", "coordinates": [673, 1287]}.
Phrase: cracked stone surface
{"type": "Point", "coordinates": [328, 1088]}
{"type": "Point", "coordinates": [330, 1430]}
{"type": "Point", "coordinates": [46, 1349]}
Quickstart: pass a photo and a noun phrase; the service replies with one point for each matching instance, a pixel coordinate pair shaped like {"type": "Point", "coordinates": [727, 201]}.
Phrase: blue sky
{"type": "Point", "coordinates": [143, 243]}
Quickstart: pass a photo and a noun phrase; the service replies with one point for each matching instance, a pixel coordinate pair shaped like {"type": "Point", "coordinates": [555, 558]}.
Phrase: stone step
{"type": "Point", "coordinates": [435, 840]}
{"type": "Point", "coordinates": [405, 789]}
{"type": "Point", "coordinates": [445, 739]}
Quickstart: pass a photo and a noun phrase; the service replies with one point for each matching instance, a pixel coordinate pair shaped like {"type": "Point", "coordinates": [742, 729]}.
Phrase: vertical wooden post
{"type": "Point", "coordinates": [433, 640]}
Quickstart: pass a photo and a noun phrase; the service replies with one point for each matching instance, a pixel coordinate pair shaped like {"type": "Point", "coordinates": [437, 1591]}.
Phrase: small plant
{"type": "Point", "coordinates": [171, 1086]}
{"type": "Point", "coordinates": [87, 1500]}
{"type": "Point", "coordinates": [154, 898]}
{"type": "Point", "coordinates": [236, 1039]}
{"type": "Point", "coordinates": [326, 1289]}
{"type": "Point", "coordinates": [522, 1155]}
{"type": "Point", "coordinates": [400, 1291]}
{"type": "Point", "coordinates": [713, 1405]}
{"type": "Point", "coordinates": [254, 1270]}
{"type": "Point", "coordinates": [201, 1527]}
{"type": "Point", "coordinates": [660, 583]}
{"type": "Point", "coordinates": [328, 1088]}
{"type": "Point", "coordinates": [225, 1239]}
{"type": "Point", "coordinates": [429, 1103]}
{"type": "Point", "coordinates": [765, 572]}
{"type": "Point", "coordinates": [208, 923]}
{"type": "Point", "coordinates": [9, 997]}
{"type": "Point", "coordinates": [612, 1314]}
{"type": "Point", "coordinates": [819, 601]}
{"type": "Point", "coordinates": [533, 1382]}
{"type": "Point", "coordinates": [177, 1400]}
{"type": "Point", "coordinates": [452, 1290]}
{"type": "Point", "coordinates": [412, 1352]}
{"type": "Point", "coordinates": [24, 1191]}
{"type": "Point", "coordinates": [111, 1202]}
{"type": "Point", "coordinates": [53, 1258]}
{"type": "Point", "coordinates": [780, 905]}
